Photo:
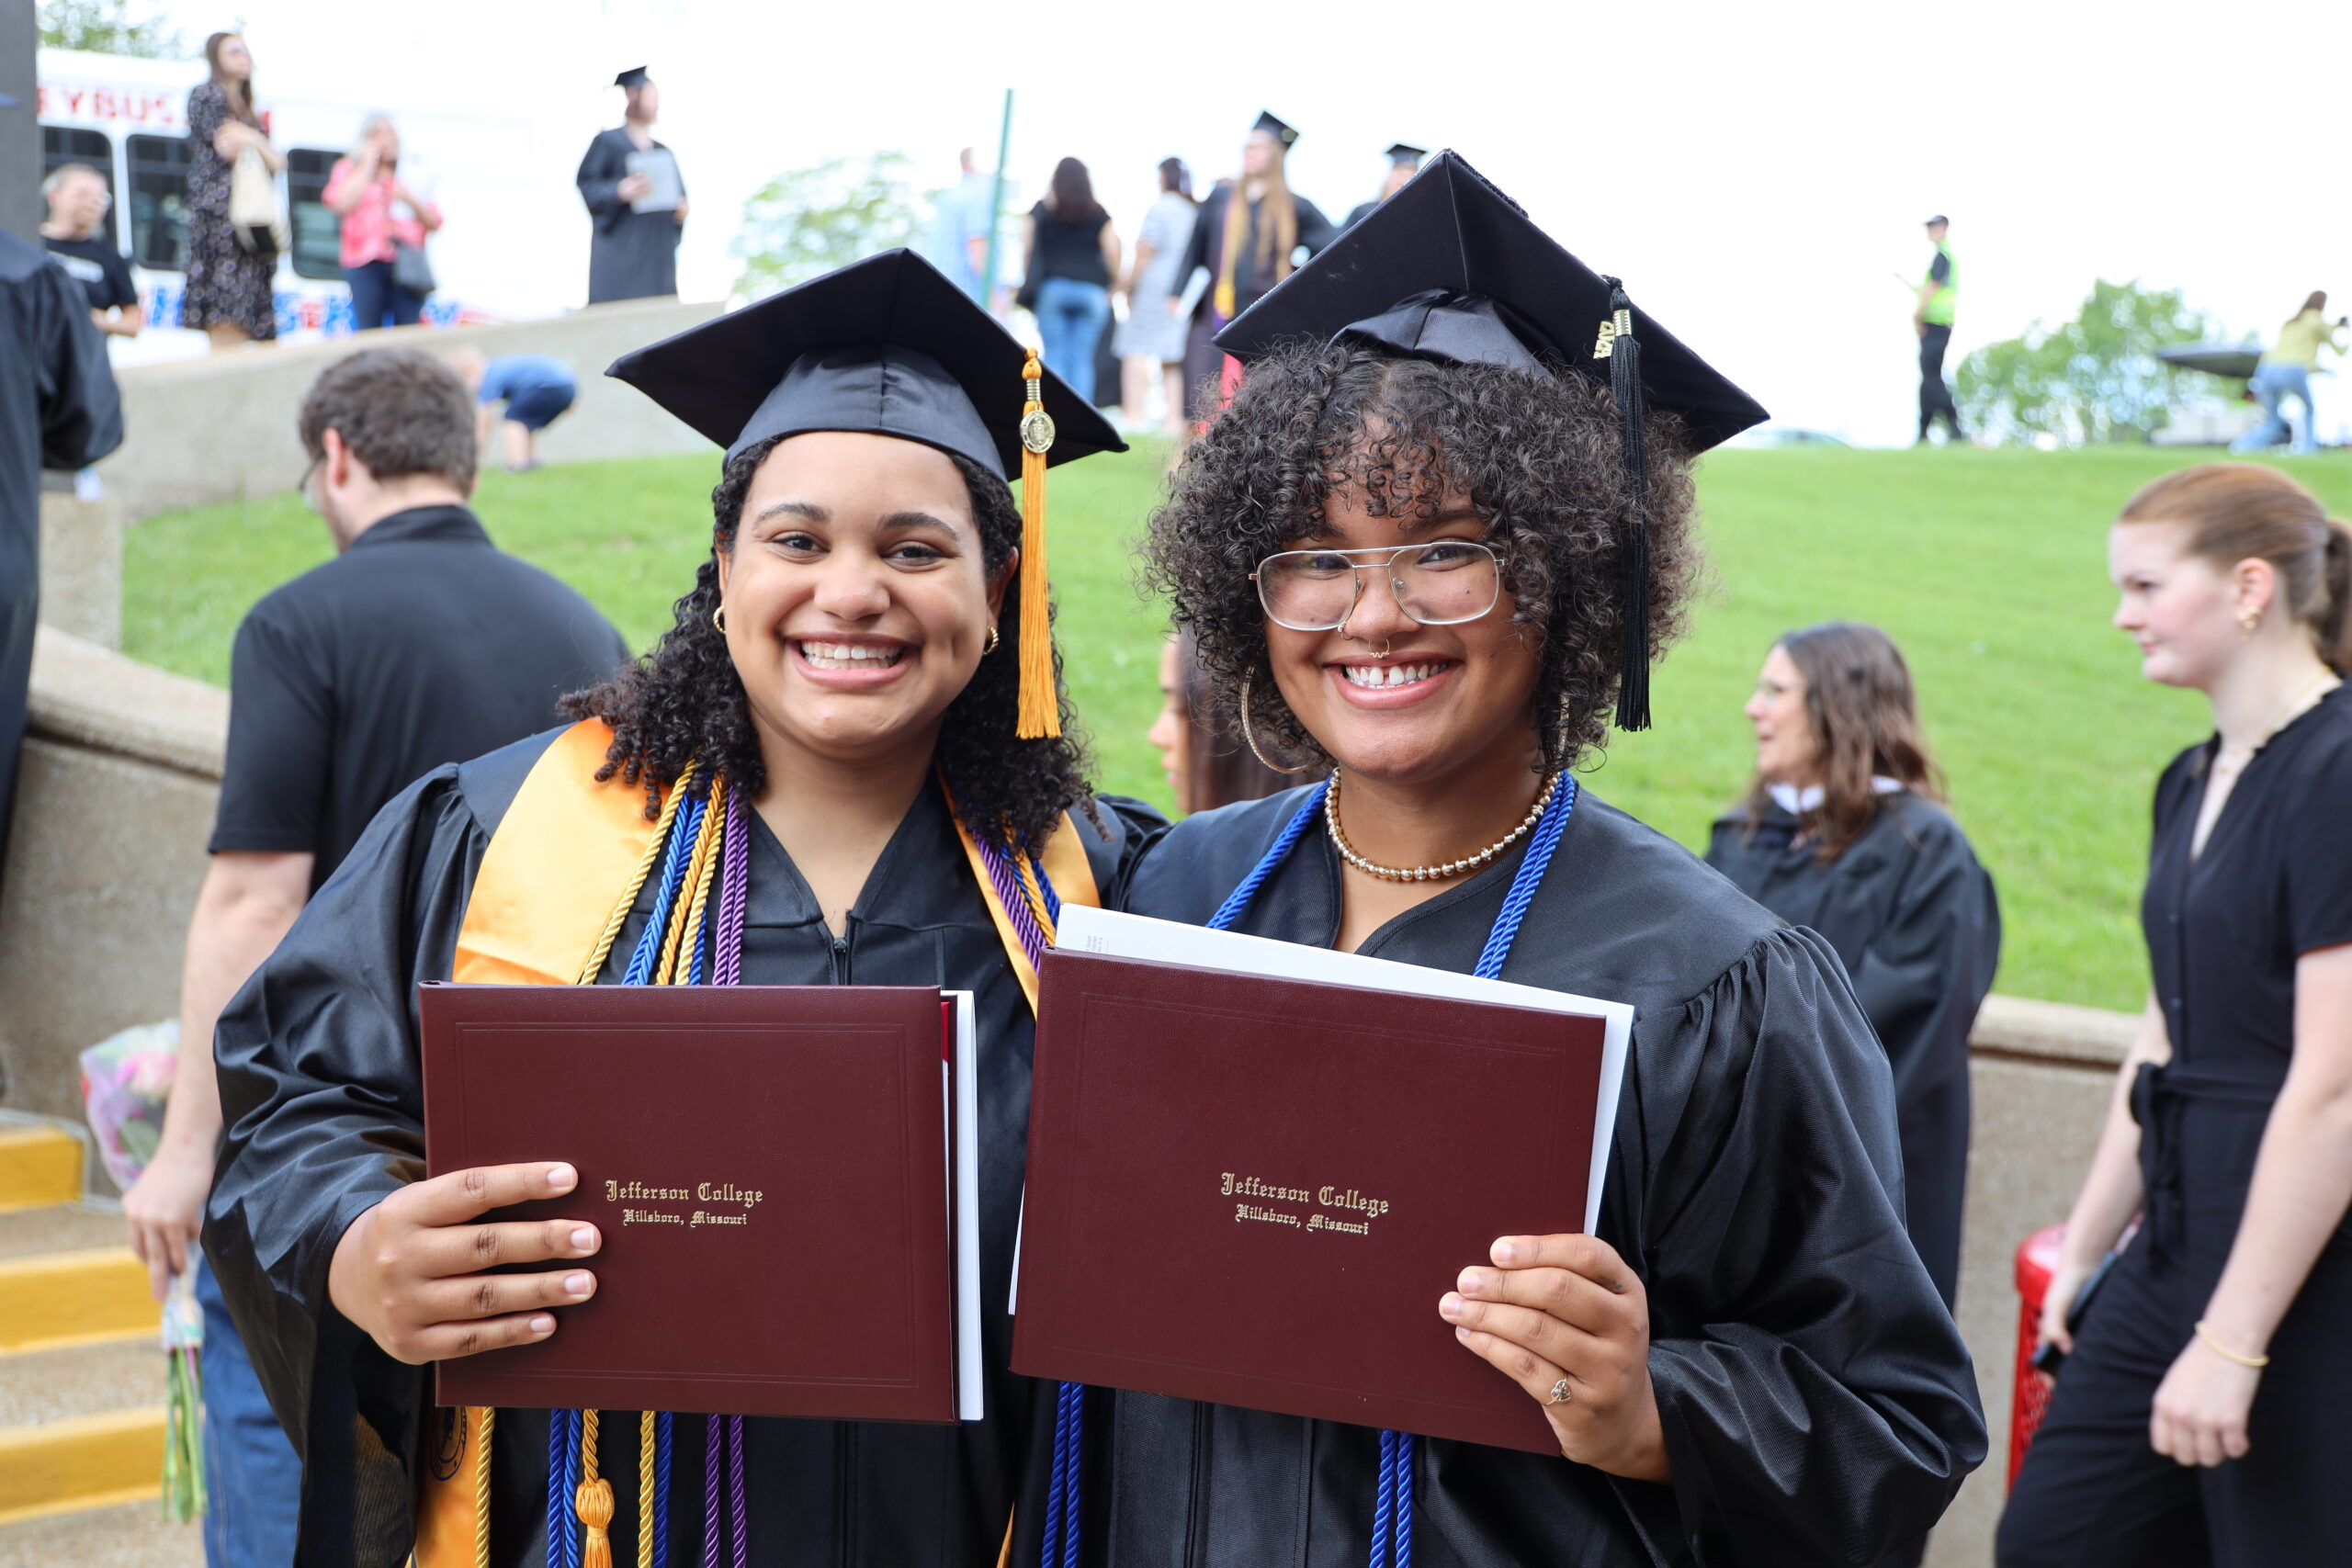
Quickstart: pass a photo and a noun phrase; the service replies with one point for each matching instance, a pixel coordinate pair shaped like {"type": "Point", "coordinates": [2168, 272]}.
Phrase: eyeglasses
{"type": "Point", "coordinates": [303, 486]}
{"type": "Point", "coordinates": [1441, 584]}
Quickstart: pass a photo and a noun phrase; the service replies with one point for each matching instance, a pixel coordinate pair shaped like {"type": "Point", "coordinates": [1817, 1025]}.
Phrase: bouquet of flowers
{"type": "Point", "coordinates": [126, 1078]}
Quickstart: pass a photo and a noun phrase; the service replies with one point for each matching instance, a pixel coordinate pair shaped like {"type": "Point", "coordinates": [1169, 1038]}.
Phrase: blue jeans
{"type": "Point", "coordinates": [1070, 319]}
{"type": "Point", "coordinates": [2273, 385]}
{"type": "Point", "coordinates": [378, 301]}
{"type": "Point", "coordinates": [252, 1479]}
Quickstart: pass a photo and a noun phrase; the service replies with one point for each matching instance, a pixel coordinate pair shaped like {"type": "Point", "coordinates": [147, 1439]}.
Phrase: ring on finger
{"type": "Point", "coordinates": [1562, 1393]}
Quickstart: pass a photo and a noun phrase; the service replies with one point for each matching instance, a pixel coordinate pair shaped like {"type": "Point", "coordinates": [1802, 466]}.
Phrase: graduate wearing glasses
{"type": "Point", "coordinates": [1425, 552]}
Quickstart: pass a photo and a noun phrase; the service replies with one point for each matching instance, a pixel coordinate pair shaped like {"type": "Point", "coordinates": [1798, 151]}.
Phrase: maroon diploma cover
{"type": "Point", "coordinates": [1253, 1190]}
{"type": "Point", "coordinates": [768, 1166]}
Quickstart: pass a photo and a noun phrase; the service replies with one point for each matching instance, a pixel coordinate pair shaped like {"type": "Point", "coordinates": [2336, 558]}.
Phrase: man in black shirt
{"type": "Point", "coordinates": [420, 644]}
{"type": "Point", "coordinates": [74, 234]}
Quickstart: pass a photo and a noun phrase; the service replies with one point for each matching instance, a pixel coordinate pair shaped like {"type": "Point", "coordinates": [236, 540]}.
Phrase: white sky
{"type": "Point", "coordinates": [1757, 173]}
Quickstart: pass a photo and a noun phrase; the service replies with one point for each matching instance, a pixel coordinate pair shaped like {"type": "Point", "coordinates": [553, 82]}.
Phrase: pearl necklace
{"type": "Point", "coordinates": [1429, 873]}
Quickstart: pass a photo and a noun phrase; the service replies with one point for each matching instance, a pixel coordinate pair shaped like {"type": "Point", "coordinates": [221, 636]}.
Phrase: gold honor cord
{"type": "Point", "coordinates": [593, 1500]}
{"type": "Point", "coordinates": [482, 1432]}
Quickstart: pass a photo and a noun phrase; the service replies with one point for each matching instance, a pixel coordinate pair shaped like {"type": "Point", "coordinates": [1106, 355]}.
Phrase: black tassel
{"type": "Point", "coordinates": [1633, 550]}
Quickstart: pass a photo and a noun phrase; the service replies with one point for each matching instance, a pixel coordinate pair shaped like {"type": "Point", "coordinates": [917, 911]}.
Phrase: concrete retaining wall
{"type": "Point", "coordinates": [221, 428]}
{"type": "Point", "coordinates": [116, 802]}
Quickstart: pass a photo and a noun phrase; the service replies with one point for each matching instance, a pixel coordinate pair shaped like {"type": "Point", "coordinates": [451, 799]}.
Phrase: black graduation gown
{"type": "Point", "coordinates": [1206, 248]}
{"type": "Point", "coordinates": [1816, 1400]}
{"type": "Point", "coordinates": [320, 1090]}
{"type": "Point", "coordinates": [1914, 917]}
{"type": "Point", "coordinates": [633, 255]}
{"type": "Point", "coordinates": [59, 409]}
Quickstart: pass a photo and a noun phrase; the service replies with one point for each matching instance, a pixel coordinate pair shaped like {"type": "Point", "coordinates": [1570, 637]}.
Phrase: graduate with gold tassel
{"type": "Point", "coordinates": [844, 765]}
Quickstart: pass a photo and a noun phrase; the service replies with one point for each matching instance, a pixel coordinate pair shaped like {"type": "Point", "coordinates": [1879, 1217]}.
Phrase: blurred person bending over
{"type": "Point", "coordinates": [382, 216]}
{"type": "Point", "coordinates": [1073, 254]}
{"type": "Point", "coordinates": [1247, 236]}
{"type": "Point", "coordinates": [535, 388]}
{"type": "Point", "coordinates": [1844, 831]}
{"type": "Point", "coordinates": [2286, 371]}
{"type": "Point", "coordinates": [1150, 341]}
{"type": "Point", "coordinates": [59, 409]}
{"type": "Point", "coordinates": [420, 644]}
{"type": "Point", "coordinates": [1208, 760]}
{"type": "Point", "coordinates": [1932, 319]}
{"type": "Point", "coordinates": [75, 234]}
{"type": "Point", "coordinates": [634, 253]}
{"type": "Point", "coordinates": [230, 295]}
{"type": "Point", "coordinates": [2172, 1440]}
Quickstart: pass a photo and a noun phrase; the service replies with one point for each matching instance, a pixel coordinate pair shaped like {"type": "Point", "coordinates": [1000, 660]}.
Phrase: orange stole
{"type": "Point", "coordinates": [547, 885]}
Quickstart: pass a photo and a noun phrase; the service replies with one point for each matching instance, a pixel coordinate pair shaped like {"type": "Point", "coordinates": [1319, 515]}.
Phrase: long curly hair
{"type": "Point", "coordinates": [685, 700]}
{"type": "Point", "coordinates": [1541, 461]}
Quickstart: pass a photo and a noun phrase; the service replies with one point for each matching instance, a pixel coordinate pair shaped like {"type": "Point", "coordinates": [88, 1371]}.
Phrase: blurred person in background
{"type": "Point", "coordinates": [1844, 831]}
{"type": "Point", "coordinates": [2286, 371]}
{"type": "Point", "coordinates": [1932, 317]}
{"type": "Point", "coordinates": [229, 294]}
{"type": "Point", "coordinates": [419, 644]}
{"type": "Point", "coordinates": [1073, 254]}
{"type": "Point", "coordinates": [1248, 235]}
{"type": "Point", "coordinates": [2171, 1438]}
{"type": "Point", "coordinates": [73, 233]}
{"type": "Point", "coordinates": [534, 387]}
{"type": "Point", "coordinates": [59, 409]}
{"type": "Point", "coordinates": [1150, 341]}
{"type": "Point", "coordinates": [634, 253]}
{"type": "Point", "coordinates": [381, 217]}
{"type": "Point", "coordinates": [1206, 761]}
{"type": "Point", "coordinates": [1404, 163]}
{"type": "Point", "coordinates": [956, 241]}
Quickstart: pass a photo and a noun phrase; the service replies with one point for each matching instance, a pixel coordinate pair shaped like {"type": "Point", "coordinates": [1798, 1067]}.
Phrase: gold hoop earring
{"type": "Point", "coordinates": [1248, 735]}
{"type": "Point", "coordinates": [2247, 623]}
{"type": "Point", "coordinates": [991, 644]}
{"type": "Point", "coordinates": [718, 618]}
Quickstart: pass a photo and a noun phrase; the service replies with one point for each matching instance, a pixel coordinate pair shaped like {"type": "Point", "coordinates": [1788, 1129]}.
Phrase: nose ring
{"type": "Point", "coordinates": [1384, 648]}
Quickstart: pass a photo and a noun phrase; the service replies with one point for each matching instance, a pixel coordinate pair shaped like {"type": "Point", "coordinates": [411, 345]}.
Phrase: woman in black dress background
{"type": "Point", "coordinates": [1844, 831]}
{"type": "Point", "coordinates": [2171, 1438]}
{"type": "Point", "coordinates": [229, 294]}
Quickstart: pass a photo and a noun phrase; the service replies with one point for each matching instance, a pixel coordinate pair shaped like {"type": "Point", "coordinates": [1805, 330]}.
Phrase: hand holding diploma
{"type": "Point", "coordinates": [410, 1271]}
{"type": "Point", "coordinates": [1557, 1309]}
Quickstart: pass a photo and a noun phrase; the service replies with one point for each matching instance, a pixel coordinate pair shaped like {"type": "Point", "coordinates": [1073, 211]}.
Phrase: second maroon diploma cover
{"type": "Point", "coordinates": [769, 1169]}
{"type": "Point", "coordinates": [1253, 1190]}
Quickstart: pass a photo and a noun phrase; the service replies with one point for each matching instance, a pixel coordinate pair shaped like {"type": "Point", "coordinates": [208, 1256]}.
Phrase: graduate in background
{"type": "Point", "coordinates": [859, 778]}
{"type": "Point", "coordinates": [1427, 591]}
{"type": "Point", "coordinates": [1404, 163]}
{"type": "Point", "coordinates": [1844, 832]}
{"type": "Point", "coordinates": [634, 253]}
{"type": "Point", "coordinates": [1247, 235]}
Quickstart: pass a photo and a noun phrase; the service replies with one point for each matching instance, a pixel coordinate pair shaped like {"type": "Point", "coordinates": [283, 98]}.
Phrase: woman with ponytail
{"type": "Point", "coordinates": [844, 763]}
{"type": "Point", "coordinates": [2172, 1437]}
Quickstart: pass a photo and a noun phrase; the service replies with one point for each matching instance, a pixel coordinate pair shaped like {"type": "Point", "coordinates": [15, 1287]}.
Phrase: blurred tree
{"type": "Point", "coordinates": [2094, 378]}
{"type": "Point", "coordinates": [806, 222]}
{"type": "Point", "coordinates": [104, 27]}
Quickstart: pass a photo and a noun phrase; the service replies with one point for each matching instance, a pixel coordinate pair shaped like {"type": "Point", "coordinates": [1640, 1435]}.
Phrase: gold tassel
{"type": "Point", "coordinates": [1040, 716]}
{"type": "Point", "coordinates": [593, 1501]}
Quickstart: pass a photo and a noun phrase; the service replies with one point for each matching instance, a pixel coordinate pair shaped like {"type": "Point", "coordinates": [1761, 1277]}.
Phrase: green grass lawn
{"type": "Point", "coordinates": [1989, 568]}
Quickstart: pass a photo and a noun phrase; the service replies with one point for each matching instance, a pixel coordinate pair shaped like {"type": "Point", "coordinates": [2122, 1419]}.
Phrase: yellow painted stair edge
{"type": "Point", "coordinates": [39, 1167]}
{"type": "Point", "coordinates": [54, 1300]}
{"type": "Point", "coordinates": [80, 1461]}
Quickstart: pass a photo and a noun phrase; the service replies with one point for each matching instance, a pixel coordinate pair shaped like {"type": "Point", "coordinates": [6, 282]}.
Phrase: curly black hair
{"type": "Point", "coordinates": [1541, 461]}
{"type": "Point", "coordinates": [686, 699]}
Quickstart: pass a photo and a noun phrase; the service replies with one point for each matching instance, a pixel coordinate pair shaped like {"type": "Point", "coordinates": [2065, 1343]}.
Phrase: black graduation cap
{"type": "Point", "coordinates": [1406, 153]}
{"type": "Point", "coordinates": [1450, 268]}
{"type": "Point", "coordinates": [1274, 127]}
{"type": "Point", "coordinates": [887, 347]}
{"type": "Point", "coordinates": [634, 76]}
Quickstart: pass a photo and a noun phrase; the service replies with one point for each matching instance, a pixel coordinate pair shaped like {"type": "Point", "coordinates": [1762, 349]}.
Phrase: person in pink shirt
{"type": "Point", "coordinates": [379, 215]}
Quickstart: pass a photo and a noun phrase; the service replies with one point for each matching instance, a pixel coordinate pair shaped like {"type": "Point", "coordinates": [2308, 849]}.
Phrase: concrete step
{"type": "Point", "coordinates": [53, 1300]}
{"type": "Point", "coordinates": [47, 1385]}
{"type": "Point", "coordinates": [81, 1461]}
{"type": "Point", "coordinates": [65, 1227]}
{"type": "Point", "coordinates": [128, 1535]}
{"type": "Point", "coordinates": [39, 1166]}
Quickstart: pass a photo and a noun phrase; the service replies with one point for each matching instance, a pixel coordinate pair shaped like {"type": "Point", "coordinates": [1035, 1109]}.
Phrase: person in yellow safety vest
{"type": "Point", "coordinates": [1939, 293]}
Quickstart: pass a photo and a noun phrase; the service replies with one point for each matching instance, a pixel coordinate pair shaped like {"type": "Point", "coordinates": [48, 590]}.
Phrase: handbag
{"type": "Point", "coordinates": [411, 269]}
{"type": "Point", "coordinates": [255, 216]}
